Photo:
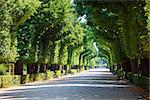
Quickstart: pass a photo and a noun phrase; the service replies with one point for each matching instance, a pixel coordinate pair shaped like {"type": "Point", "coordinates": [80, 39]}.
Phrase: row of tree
{"type": "Point", "coordinates": [44, 32]}
{"type": "Point", "coordinates": [121, 28]}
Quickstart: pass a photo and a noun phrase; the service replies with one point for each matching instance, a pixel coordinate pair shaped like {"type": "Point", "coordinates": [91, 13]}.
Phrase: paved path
{"type": "Point", "coordinates": [95, 84]}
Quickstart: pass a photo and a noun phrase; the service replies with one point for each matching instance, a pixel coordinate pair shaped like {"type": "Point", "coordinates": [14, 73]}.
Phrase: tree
{"type": "Point", "coordinates": [13, 14]}
{"type": "Point", "coordinates": [119, 25]}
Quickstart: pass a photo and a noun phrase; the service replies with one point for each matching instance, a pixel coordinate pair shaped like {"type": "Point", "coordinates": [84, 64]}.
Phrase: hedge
{"type": "Point", "coordinates": [73, 71]}
{"type": "Point", "coordinates": [38, 77]}
{"type": "Point", "coordinates": [86, 67]}
{"type": "Point", "coordinates": [58, 73]}
{"type": "Point", "coordinates": [144, 82]}
{"type": "Point", "coordinates": [7, 81]}
{"type": "Point", "coordinates": [25, 78]}
{"type": "Point", "coordinates": [50, 74]}
{"type": "Point", "coordinates": [141, 81]}
{"type": "Point", "coordinates": [129, 74]}
{"type": "Point", "coordinates": [1, 69]}
{"type": "Point", "coordinates": [120, 73]}
{"type": "Point", "coordinates": [16, 80]}
{"type": "Point", "coordinates": [136, 79]}
{"type": "Point", "coordinates": [31, 77]}
{"type": "Point", "coordinates": [82, 68]}
{"type": "Point", "coordinates": [0, 81]}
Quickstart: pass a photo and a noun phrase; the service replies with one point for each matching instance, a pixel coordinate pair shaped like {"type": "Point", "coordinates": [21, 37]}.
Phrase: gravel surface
{"type": "Point", "coordinates": [94, 84]}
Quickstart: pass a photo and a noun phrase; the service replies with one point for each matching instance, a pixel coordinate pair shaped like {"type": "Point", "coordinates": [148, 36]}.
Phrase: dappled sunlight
{"type": "Point", "coordinates": [102, 81]}
{"type": "Point", "coordinates": [18, 98]}
{"type": "Point", "coordinates": [71, 85]}
{"type": "Point", "coordinates": [95, 73]}
{"type": "Point", "coordinates": [100, 69]}
{"type": "Point", "coordinates": [11, 97]}
{"type": "Point", "coordinates": [74, 49]}
{"type": "Point", "coordinates": [77, 86]}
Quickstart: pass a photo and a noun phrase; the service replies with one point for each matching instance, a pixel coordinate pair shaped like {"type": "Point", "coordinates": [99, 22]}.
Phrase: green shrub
{"type": "Point", "coordinates": [58, 73]}
{"type": "Point", "coordinates": [136, 79]}
{"type": "Point", "coordinates": [129, 75]}
{"type": "Point", "coordinates": [120, 73]}
{"type": "Point", "coordinates": [82, 69]}
{"type": "Point", "coordinates": [43, 76]}
{"type": "Point", "coordinates": [63, 72]}
{"type": "Point", "coordinates": [32, 78]}
{"type": "Point", "coordinates": [49, 74]}
{"type": "Point", "coordinates": [73, 71]}
{"type": "Point", "coordinates": [87, 68]}
{"type": "Point", "coordinates": [1, 69]}
{"type": "Point", "coordinates": [38, 77]}
{"type": "Point", "coordinates": [144, 82]}
{"type": "Point", "coordinates": [66, 72]}
{"type": "Point", "coordinates": [141, 81]}
{"type": "Point", "coordinates": [25, 78]}
{"type": "Point", "coordinates": [0, 81]}
{"type": "Point", "coordinates": [17, 79]}
{"type": "Point", "coordinates": [7, 81]}
{"type": "Point", "coordinates": [115, 71]}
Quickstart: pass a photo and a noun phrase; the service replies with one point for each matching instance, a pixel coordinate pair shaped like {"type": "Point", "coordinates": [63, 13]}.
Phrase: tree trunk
{"type": "Point", "coordinates": [18, 68]}
{"type": "Point", "coordinates": [144, 66]}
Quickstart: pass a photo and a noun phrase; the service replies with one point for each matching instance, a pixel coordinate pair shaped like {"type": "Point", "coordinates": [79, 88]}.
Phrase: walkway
{"type": "Point", "coordinates": [95, 84]}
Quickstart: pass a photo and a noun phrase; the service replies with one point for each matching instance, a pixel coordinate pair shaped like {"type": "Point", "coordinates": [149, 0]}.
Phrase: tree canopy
{"type": "Point", "coordinates": [51, 31]}
{"type": "Point", "coordinates": [119, 26]}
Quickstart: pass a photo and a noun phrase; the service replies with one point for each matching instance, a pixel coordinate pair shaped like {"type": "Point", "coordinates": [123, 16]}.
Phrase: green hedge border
{"type": "Point", "coordinates": [12, 80]}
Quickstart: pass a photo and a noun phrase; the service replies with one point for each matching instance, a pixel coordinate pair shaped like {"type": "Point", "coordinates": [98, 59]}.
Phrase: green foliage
{"type": "Point", "coordinates": [49, 74]}
{"type": "Point", "coordinates": [87, 50]}
{"type": "Point", "coordinates": [38, 77]}
{"type": "Point", "coordinates": [13, 13]}
{"type": "Point", "coordinates": [129, 76]}
{"type": "Point", "coordinates": [1, 81]}
{"type": "Point", "coordinates": [1, 69]}
{"type": "Point", "coordinates": [25, 78]}
{"type": "Point", "coordinates": [58, 73]}
{"type": "Point", "coordinates": [147, 9]}
{"type": "Point", "coordinates": [36, 26]}
{"type": "Point", "coordinates": [117, 54]}
{"type": "Point", "coordinates": [55, 20]}
{"type": "Point", "coordinates": [7, 81]}
{"type": "Point", "coordinates": [82, 68]}
{"type": "Point", "coordinates": [144, 82]}
{"type": "Point", "coordinates": [141, 81]}
{"type": "Point", "coordinates": [120, 73]}
{"type": "Point", "coordinates": [75, 55]}
{"type": "Point", "coordinates": [73, 71]}
{"type": "Point", "coordinates": [144, 38]}
{"type": "Point", "coordinates": [136, 80]}
{"type": "Point", "coordinates": [56, 52]}
{"type": "Point", "coordinates": [119, 28]}
{"type": "Point", "coordinates": [63, 55]}
{"type": "Point", "coordinates": [31, 77]}
{"type": "Point", "coordinates": [87, 67]}
{"type": "Point", "coordinates": [17, 80]}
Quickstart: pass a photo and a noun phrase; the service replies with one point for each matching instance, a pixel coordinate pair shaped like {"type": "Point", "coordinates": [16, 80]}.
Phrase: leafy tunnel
{"type": "Point", "coordinates": [59, 33]}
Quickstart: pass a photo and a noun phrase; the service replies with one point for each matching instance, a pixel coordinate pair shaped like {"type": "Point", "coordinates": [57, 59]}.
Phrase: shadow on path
{"type": "Point", "coordinates": [95, 84]}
